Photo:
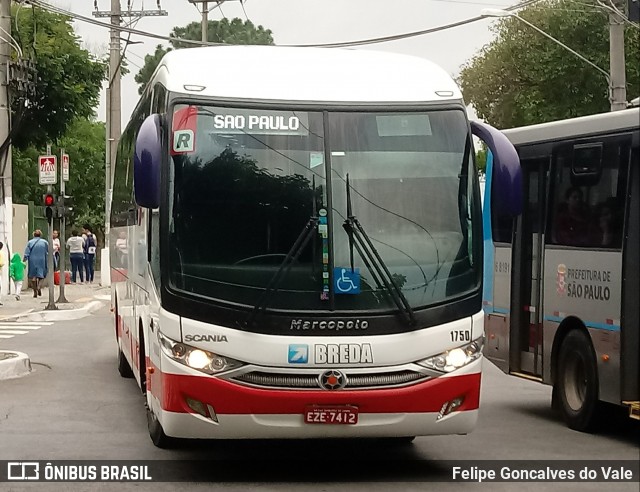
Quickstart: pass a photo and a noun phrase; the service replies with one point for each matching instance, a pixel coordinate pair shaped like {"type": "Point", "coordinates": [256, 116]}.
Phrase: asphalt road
{"type": "Point", "coordinates": [75, 406]}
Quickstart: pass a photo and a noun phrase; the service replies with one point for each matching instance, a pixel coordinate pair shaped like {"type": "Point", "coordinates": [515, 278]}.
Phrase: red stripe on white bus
{"type": "Point", "coordinates": [230, 398]}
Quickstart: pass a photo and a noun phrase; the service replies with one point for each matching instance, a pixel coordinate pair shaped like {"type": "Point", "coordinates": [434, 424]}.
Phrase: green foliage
{"type": "Point", "coordinates": [481, 159]}
{"type": "Point", "coordinates": [523, 78]}
{"type": "Point", "coordinates": [85, 144]}
{"type": "Point", "coordinates": [68, 82]}
{"type": "Point", "coordinates": [150, 64]}
{"type": "Point", "coordinates": [235, 31]}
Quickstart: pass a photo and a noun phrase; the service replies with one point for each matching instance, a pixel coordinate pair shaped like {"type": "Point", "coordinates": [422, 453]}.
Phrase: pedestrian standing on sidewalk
{"type": "Point", "coordinates": [56, 251]}
{"type": "Point", "coordinates": [16, 273]}
{"type": "Point", "coordinates": [76, 253]}
{"type": "Point", "coordinates": [90, 246]}
{"type": "Point", "coordinates": [36, 254]}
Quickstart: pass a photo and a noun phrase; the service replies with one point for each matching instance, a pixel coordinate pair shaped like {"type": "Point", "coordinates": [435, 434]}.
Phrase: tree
{"type": "Point", "coordinates": [235, 31]}
{"type": "Point", "coordinates": [84, 142]}
{"type": "Point", "coordinates": [523, 78]}
{"type": "Point", "coordinates": [68, 80]}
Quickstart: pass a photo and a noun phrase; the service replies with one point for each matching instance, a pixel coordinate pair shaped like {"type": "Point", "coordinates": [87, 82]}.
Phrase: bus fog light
{"type": "Point", "coordinates": [455, 358]}
{"type": "Point", "coordinates": [197, 406]}
{"type": "Point", "coordinates": [450, 406]}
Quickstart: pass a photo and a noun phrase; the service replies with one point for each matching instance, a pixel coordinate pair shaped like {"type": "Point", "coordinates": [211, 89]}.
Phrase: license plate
{"type": "Point", "coordinates": [344, 414]}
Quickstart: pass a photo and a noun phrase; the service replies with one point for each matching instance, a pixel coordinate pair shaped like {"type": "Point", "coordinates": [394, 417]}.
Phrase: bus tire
{"type": "Point", "coordinates": [576, 383]}
{"type": "Point", "coordinates": [123, 365]}
{"type": "Point", "coordinates": [156, 432]}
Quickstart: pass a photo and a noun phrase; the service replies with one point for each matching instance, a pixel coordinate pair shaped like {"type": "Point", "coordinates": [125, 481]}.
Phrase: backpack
{"type": "Point", "coordinates": [90, 245]}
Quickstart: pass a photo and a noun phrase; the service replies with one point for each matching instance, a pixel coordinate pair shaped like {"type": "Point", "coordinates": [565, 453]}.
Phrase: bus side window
{"type": "Point", "coordinates": [588, 195]}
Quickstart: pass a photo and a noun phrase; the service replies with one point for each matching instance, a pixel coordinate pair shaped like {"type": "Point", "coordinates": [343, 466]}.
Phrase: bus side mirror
{"type": "Point", "coordinates": [147, 161]}
{"type": "Point", "coordinates": [506, 179]}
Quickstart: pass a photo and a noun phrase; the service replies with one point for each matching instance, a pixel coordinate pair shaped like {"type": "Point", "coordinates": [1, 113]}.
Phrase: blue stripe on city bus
{"type": "Point", "coordinates": [588, 324]}
{"type": "Point", "coordinates": [487, 290]}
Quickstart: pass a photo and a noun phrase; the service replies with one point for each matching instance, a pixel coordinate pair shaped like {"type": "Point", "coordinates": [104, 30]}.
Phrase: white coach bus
{"type": "Point", "coordinates": [297, 246]}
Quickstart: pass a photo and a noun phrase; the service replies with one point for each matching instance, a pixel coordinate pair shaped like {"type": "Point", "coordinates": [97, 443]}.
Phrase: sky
{"type": "Point", "coordinates": [303, 22]}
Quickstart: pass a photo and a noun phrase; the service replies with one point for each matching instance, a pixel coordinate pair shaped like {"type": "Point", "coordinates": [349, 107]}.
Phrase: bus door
{"type": "Point", "coordinates": [526, 306]}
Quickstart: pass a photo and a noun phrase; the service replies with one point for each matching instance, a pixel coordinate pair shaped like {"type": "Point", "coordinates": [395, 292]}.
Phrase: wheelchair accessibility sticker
{"type": "Point", "coordinates": [346, 281]}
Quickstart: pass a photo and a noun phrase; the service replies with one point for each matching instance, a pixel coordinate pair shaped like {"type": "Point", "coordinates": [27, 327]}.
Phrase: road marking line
{"type": "Point", "coordinates": [14, 332]}
{"type": "Point", "coordinates": [11, 327]}
{"type": "Point", "coordinates": [6, 336]}
{"type": "Point", "coordinates": [25, 323]}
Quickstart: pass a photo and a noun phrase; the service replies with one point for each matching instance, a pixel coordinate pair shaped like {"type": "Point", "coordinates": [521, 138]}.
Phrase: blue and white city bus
{"type": "Point", "coordinates": [297, 246]}
{"type": "Point", "coordinates": [562, 281]}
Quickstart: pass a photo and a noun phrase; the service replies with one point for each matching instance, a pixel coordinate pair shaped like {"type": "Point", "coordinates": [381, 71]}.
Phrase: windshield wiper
{"type": "Point", "coordinates": [310, 228]}
{"type": "Point", "coordinates": [373, 261]}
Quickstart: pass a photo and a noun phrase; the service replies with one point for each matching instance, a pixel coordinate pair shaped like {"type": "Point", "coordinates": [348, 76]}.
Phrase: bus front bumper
{"type": "Point", "coordinates": [232, 410]}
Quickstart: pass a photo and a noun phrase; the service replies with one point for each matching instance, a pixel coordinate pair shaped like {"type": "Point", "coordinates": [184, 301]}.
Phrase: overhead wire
{"type": "Point", "coordinates": [243, 9]}
{"type": "Point", "coordinates": [361, 42]}
{"type": "Point", "coordinates": [612, 7]}
{"type": "Point", "coordinates": [13, 42]}
{"type": "Point", "coordinates": [603, 7]}
{"type": "Point", "coordinates": [89, 20]}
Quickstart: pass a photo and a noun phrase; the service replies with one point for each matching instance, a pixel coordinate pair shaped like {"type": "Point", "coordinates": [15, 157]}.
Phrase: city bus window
{"type": "Point", "coordinates": [588, 196]}
{"type": "Point", "coordinates": [502, 226]}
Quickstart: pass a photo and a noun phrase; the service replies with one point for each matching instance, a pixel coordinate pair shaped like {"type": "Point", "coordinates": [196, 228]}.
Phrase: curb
{"type": "Point", "coordinates": [18, 315]}
{"type": "Point", "coordinates": [14, 364]}
{"type": "Point", "coordinates": [61, 314]}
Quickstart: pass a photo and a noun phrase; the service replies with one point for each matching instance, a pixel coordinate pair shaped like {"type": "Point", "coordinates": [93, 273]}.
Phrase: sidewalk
{"type": "Point", "coordinates": [83, 300]}
{"type": "Point", "coordinates": [80, 297]}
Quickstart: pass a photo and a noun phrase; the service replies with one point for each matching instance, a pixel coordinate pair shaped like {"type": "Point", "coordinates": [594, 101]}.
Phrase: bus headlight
{"type": "Point", "coordinates": [455, 358]}
{"type": "Point", "coordinates": [195, 358]}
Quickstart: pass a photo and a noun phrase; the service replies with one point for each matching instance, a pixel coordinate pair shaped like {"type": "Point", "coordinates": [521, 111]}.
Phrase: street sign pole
{"type": "Point", "coordinates": [52, 304]}
{"type": "Point", "coordinates": [64, 176]}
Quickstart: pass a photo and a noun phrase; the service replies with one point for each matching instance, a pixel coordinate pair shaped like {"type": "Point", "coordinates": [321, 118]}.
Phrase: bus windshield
{"type": "Point", "coordinates": [258, 203]}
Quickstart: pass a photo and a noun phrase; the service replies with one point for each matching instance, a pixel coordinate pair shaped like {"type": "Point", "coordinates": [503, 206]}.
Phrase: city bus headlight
{"type": "Point", "coordinates": [195, 358]}
{"type": "Point", "coordinates": [455, 358]}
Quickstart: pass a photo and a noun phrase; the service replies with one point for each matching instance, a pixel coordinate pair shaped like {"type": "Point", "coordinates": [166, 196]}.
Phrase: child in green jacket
{"type": "Point", "coordinates": [16, 273]}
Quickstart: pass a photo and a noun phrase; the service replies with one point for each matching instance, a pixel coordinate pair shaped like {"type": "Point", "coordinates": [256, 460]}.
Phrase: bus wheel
{"type": "Point", "coordinates": [156, 432]}
{"type": "Point", "coordinates": [576, 383]}
{"type": "Point", "coordinates": [123, 366]}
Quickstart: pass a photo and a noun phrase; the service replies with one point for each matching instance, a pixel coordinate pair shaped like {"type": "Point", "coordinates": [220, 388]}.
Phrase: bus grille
{"type": "Point", "coordinates": [310, 381]}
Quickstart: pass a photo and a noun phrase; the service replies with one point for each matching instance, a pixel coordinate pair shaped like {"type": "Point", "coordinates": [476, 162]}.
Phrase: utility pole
{"type": "Point", "coordinates": [64, 176]}
{"type": "Point", "coordinates": [205, 16]}
{"type": "Point", "coordinates": [205, 22]}
{"type": "Point", "coordinates": [617, 58]}
{"type": "Point", "coordinates": [114, 106]}
{"type": "Point", "coordinates": [50, 275]}
{"type": "Point", "coordinates": [6, 205]}
{"type": "Point", "coordinates": [114, 118]}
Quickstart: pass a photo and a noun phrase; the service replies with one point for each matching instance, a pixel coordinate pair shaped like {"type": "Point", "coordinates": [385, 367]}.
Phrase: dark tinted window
{"type": "Point", "coordinates": [587, 202]}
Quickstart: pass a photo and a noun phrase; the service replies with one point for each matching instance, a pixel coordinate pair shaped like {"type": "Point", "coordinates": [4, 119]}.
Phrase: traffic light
{"type": "Point", "coordinates": [49, 202]}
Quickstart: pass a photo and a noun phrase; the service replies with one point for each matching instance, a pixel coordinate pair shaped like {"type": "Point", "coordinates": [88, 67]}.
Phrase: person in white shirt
{"type": "Point", "coordinates": [76, 254]}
